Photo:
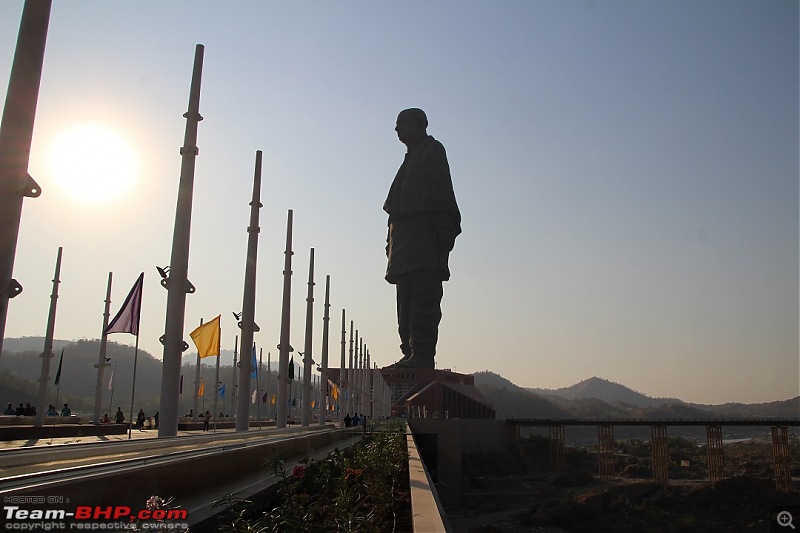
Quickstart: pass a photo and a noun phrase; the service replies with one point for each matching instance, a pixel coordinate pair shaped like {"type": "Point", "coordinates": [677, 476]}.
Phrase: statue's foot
{"type": "Point", "coordinates": [414, 362]}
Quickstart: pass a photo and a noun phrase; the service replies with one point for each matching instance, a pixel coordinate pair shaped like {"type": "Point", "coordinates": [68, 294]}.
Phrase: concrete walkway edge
{"type": "Point", "coordinates": [427, 513]}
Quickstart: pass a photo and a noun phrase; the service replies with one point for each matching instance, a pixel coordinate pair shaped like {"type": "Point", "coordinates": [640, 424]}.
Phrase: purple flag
{"type": "Point", "coordinates": [127, 319]}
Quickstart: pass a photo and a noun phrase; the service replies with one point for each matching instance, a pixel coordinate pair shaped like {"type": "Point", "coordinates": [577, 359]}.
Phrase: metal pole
{"type": "Point", "coordinates": [16, 132]}
{"type": "Point", "coordinates": [284, 347]}
{"type": "Point", "coordinates": [342, 373]}
{"type": "Point", "coordinates": [111, 386]}
{"type": "Point", "coordinates": [267, 396]}
{"type": "Point", "coordinates": [133, 385]}
{"type": "Point", "coordinates": [370, 394]}
{"type": "Point", "coordinates": [247, 323]}
{"type": "Point", "coordinates": [258, 385]}
{"type": "Point", "coordinates": [177, 284]}
{"type": "Point", "coordinates": [308, 360]}
{"type": "Point", "coordinates": [47, 354]}
{"type": "Point", "coordinates": [323, 382]}
{"type": "Point", "coordinates": [216, 393]}
{"type": "Point", "coordinates": [361, 375]}
{"type": "Point", "coordinates": [356, 379]}
{"type": "Point", "coordinates": [349, 401]}
{"type": "Point", "coordinates": [101, 359]}
{"type": "Point", "coordinates": [196, 401]}
{"type": "Point", "coordinates": [234, 375]}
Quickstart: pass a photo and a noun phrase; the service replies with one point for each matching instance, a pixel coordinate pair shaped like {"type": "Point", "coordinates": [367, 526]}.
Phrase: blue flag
{"type": "Point", "coordinates": [222, 391]}
{"type": "Point", "coordinates": [254, 364]}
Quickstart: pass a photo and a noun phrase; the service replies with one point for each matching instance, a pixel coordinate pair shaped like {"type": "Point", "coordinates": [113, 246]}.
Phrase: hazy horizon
{"type": "Point", "coordinates": [627, 174]}
{"type": "Point", "coordinates": [226, 361]}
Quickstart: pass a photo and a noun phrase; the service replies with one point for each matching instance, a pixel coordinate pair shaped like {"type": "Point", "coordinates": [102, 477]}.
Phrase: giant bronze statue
{"type": "Point", "coordinates": [424, 222]}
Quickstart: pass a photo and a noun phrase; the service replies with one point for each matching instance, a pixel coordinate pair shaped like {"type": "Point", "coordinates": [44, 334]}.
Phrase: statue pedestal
{"type": "Point", "coordinates": [433, 393]}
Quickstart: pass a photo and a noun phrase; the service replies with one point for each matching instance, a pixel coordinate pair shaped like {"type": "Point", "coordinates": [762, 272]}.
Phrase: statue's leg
{"type": "Point", "coordinates": [404, 311]}
{"type": "Point", "coordinates": [426, 314]}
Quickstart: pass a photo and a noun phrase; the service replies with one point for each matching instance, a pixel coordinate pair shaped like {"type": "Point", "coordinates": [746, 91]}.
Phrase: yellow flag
{"type": "Point", "coordinates": [202, 389]}
{"type": "Point", "coordinates": [206, 338]}
{"type": "Point", "coordinates": [272, 400]}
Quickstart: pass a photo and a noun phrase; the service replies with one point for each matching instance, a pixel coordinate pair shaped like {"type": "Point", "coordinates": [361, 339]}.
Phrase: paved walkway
{"type": "Point", "coordinates": [135, 434]}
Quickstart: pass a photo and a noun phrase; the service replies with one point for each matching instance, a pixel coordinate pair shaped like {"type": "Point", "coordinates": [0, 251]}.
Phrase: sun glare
{"type": "Point", "coordinates": [92, 163]}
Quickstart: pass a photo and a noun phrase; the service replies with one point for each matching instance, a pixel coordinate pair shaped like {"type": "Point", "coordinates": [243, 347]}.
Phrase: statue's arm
{"type": "Point", "coordinates": [447, 221]}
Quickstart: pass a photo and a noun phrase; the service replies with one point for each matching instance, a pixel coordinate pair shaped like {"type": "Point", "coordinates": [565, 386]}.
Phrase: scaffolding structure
{"type": "Point", "coordinates": [659, 456]}
{"type": "Point", "coordinates": [557, 448]}
{"type": "Point", "coordinates": [716, 462]}
{"type": "Point", "coordinates": [605, 451]}
{"type": "Point", "coordinates": [780, 457]}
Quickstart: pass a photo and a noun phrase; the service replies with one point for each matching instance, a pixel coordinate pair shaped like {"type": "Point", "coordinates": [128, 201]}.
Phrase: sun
{"type": "Point", "coordinates": [92, 163]}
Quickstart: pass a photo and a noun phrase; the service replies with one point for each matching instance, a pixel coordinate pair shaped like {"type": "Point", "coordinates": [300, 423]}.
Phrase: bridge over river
{"type": "Point", "coordinates": [659, 440]}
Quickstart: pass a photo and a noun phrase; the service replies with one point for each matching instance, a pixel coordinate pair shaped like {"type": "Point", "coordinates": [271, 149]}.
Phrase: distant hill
{"type": "Point", "coordinates": [19, 374]}
{"type": "Point", "coordinates": [591, 398]}
{"type": "Point", "coordinates": [35, 344]}
{"type": "Point", "coordinates": [512, 401]}
{"type": "Point", "coordinates": [781, 409]}
{"type": "Point", "coordinates": [605, 390]}
{"type": "Point", "coordinates": [600, 398]}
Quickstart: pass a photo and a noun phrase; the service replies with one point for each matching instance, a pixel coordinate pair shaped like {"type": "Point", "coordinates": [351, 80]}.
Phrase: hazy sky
{"type": "Point", "coordinates": [627, 173]}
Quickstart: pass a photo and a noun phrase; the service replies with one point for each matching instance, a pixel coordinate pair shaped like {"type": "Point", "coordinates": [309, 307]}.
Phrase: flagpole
{"type": "Point", "coordinates": [342, 372]}
{"type": "Point", "coordinates": [196, 384]}
{"type": "Point", "coordinates": [235, 377]}
{"type": "Point", "coordinates": [247, 323]}
{"type": "Point", "coordinates": [266, 394]}
{"type": "Point", "coordinates": [177, 284]}
{"type": "Point", "coordinates": [307, 355]}
{"type": "Point", "coordinates": [216, 398]}
{"type": "Point", "coordinates": [258, 385]}
{"type": "Point", "coordinates": [323, 396]}
{"type": "Point", "coordinates": [111, 386]}
{"type": "Point", "coordinates": [284, 346]}
{"type": "Point", "coordinates": [101, 359]}
{"type": "Point", "coordinates": [348, 401]}
{"type": "Point", "coordinates": [133, 386]}
{"type": "Point", "coordinates": [16, 133]}
{"type": "Point", "coordinates": [216, 380]}
{"type": "Point", "coordinates": [47, 354]}
{"type": "Point", "coordinates": [58, 382]}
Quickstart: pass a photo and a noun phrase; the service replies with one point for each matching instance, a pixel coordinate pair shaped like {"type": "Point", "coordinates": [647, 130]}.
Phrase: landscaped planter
{"type": "Point", "coordinates": [363, 488]}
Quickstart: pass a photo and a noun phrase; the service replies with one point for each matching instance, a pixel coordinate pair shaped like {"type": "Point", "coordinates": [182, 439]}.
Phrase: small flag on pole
{"type": "Point", "coordinates": [291, 369]}
{"type": "Point", "coordinates": [201, 392]}
{"type": "Point", "coordinates": [58, 373]}
{"type": "Point", "coordinates": [127, 319]}
{"type": "Point", "coordinates": [206, 338]}
{"type": "Point", "coordinates": [111, 379]}
{"type": "Point", "coordinates": [264, 398]}
{"type": "Point", "coordinates": [253, 396]}
{"type": "Point", "coordinates": [222, 391]}
{"type": "Point", "coordinates": [180, 387]}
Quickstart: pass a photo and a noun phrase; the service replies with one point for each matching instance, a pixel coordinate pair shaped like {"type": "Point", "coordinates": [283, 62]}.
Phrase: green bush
{"type": "Point", "coordinates": [363, 488]}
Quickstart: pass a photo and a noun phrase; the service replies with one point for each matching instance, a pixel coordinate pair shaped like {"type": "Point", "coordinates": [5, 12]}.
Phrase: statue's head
{"type": "Point", "coordinates": [412, 125]}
